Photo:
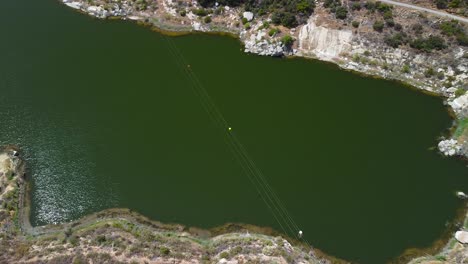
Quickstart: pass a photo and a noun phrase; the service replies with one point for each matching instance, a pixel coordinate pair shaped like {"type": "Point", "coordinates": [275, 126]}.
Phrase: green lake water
{"type": "Point", "coordinates": [106, 118]}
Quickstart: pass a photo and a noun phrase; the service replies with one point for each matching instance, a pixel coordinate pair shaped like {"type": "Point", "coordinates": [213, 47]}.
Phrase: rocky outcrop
{"type": "Point", "coordinates": [257, 45]}
{"type": "Point", "coordinates": [323, 43]}
{"type": "Point", "coordinates": [449, 147]}
{"type": "Point", "coordinates": [460, 105]}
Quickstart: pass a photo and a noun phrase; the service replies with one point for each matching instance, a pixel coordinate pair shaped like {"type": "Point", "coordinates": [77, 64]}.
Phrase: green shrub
{"type": "Point", "coordinates": [207, 19]}
{"type": "Point", "coordinates": [428, 44]}
{"type": "Point", "coordinates": [341, 12]}
{"type": "Point", "coordinates": [378, 25]}
{"type": "Point", "coordinates": [219, 10]}
{"type": "Point", "coordinates": [288, 20]}
{"type": "Point", "coordinates": [273, 31]}
{"type": "Point", "coordinates": [382, 7]}
{"type": "Point", "coordinates": [455, 4]}
{"type": "Point", "coordinates": [183, 13]}
{"type": "Point", "coordinates": [405, 68]}
{"type": "Point", "coordinates": [388, 14]}
{"type": "Point", "coordinates": [462, 39]}
{"type": "Point", "coordinates": [287, 41]}
{"type": "Point", "coordinates": [244, 20]}
{"type": "Point", "coordinates": [235, 251]}
{"type": "Point", "coordinates": [429, 72]}
{"type": "Point", "coordinates": [396, 39]}
{"type": "Point", "coordinates": [74, 240]}
{"type": "Point", "coordinates": [247, 26]}
{"type": "Point", "coordinates": [460, 92]}
{"type": "Point", "coordinates": [370, 6]}
{"type": "Point", "coordinates": [164, 251]}
{"type": "Point", "coordinates": [417, 28]}
{"type": "Point", "coordinates": [355, 24]}
{"type": "Point", "coordinates": [101, 239]}
{"type": "Point", "coordinates": [200, 12]}
{"type": "Point", "coordinates": [356, 6]}
{"type": "Point", "coordinates": [441, 4]}
{"type": "Point", "coordinates": [224, 255]}
{"type": "Point", "coordinates": [305, 7]}
{"type": "Point", "coordinates": [390, 22]}
{"type": "Point", "coordinates": [450, 28]}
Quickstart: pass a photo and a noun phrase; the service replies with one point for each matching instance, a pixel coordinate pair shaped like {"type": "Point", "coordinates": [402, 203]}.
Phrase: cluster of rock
{"type": "Point", "coordinates": [460, 105]}
{"type": "Point", "coordinates": [117, 9]}
{"type": "Point", "coordinates": [263, 47]}
{"type": "Point", "coordinates": [449, 147]}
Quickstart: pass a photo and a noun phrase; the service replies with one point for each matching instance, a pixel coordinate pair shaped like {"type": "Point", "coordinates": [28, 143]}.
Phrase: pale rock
{"type": "Point", "coordinates": [459, 104]}
{"type": "Point", "coordinates": [324, 43]}
{"type": "Point", "coordinates": [449, 147]}
{"type": "Point", "coordinates": [248, 15]}
{"type": "Point", "coordinates": [462, 236]}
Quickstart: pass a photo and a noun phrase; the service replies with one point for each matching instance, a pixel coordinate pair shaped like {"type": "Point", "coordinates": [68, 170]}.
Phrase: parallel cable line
{"type": "Point", "coordinates": [273, 202]}
{"type": "Point", "coordinates": [218, 117]}
{"type": "Point", "coordinates": [254, 170]}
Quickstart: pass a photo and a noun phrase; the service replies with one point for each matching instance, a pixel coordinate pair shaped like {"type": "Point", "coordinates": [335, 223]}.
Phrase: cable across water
{"type": "Point", "coordinates": [256, 177]}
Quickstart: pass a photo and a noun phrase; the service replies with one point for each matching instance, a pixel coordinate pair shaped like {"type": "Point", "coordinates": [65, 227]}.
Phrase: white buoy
{"type": "Point", "coordinates": [229, 128]}
{"type": "Point", "coordinates": [299, 234]}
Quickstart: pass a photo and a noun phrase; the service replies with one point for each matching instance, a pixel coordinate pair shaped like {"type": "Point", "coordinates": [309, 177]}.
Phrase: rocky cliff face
{"type": "Point", "coordinates": [323, 43]}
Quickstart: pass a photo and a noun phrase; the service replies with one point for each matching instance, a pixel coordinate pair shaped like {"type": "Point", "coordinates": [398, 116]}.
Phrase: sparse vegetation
{"type": "Point", "coordinates": [396, 39]}
{"type": "Point", "coordinates": [453, 28]}
{"type": "Point", "coordinates": [429, 44]}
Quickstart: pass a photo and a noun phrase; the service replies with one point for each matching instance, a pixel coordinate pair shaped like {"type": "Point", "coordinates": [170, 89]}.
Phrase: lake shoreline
{"type": "Point", "coordinates": [22, 234]}
{"type": "Point", "coordinates": [122, 213]}
{"type": "Point", "coordinates": [21, 231]}
{"type": "Point", "coordinates": [164, 19]}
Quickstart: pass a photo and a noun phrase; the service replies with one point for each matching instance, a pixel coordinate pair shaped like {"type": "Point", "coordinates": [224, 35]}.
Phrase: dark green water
{"type": "Point", "coordinates": [107, 119]}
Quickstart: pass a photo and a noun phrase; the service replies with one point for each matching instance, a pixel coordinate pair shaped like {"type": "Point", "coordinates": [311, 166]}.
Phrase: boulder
{"type": "Point", "coordinates": [248, 15]}
{"type": "Point", "coordinates": [462, 236]}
